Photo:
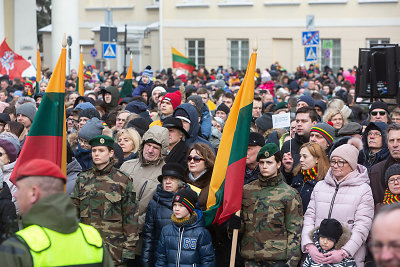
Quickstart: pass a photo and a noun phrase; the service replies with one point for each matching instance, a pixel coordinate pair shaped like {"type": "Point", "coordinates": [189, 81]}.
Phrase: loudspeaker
{"type": "Point", "coordinates": [378, 72]}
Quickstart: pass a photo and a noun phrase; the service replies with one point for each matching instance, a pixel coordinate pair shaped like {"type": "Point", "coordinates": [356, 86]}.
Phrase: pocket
{"type": "Point", "coordinates": [84, 206]}
{"type": "Point", "coordinates": [112, 207]}
{"type": "Point", "coordinates": [248, 209]}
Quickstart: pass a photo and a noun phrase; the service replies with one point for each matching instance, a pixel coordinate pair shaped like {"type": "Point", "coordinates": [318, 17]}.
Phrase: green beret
{"type": "Point", "coordinates": [267, 151]}
{"type": "Point", "coordinates": [102, 140]}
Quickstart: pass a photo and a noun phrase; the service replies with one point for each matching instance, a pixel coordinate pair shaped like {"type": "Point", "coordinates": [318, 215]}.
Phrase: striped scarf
{"type": "Point", "coordinates": [390, 198]}
{"type": "Point", "coordinates": [310, 175]}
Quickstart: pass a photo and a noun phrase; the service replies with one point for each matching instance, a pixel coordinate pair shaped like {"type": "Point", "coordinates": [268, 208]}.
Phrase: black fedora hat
{"type": "Point", "coordinates": [172, 169]}
{"type": "Point", "coordinates": [172, 122]}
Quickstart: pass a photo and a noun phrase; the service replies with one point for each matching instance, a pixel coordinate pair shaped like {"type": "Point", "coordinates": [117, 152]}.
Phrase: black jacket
{"type": "Point", "coordinates": [297, 142]}
{"type": "Point", "coordinates": [304, 189]}
{"type": "Point", "coordinates": [178, 154]}
{"type": "Point", "coordinates": [8, 213]}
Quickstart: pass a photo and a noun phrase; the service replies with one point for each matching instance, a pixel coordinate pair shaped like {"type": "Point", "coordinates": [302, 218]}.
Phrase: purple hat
{"type": "Point", "coordinates": [10, 149]}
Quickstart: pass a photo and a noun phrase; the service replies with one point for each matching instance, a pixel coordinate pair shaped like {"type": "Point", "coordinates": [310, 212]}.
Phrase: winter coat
{"type": "Point", "coordinates": [297, 142]}
{"type": "Point", "coordinates": [7, 170]}
{"type": "Point", "coordinates": [178, 154]}
{"type": "Point", "coordinates": [304, 188]}
{"type": "Point", "coordinates": [189, 245]}
{"type": "Point", "coordinates": [205, 122]}
{"type": "Point", "coordinates": [145, 174]}
{"type": "Point", "coordinates": [7, 213]}
{"type": "Point", "coordinates": [377, 178]}
{"type": "Point", "coordinates": [143, 87]}
{"type": "Point", "coordinates": [140, 108]}
{"type": "Point", "coordinates": [73, 169]}
{"type": "Point", "coordinates": [194, 125]}
{"type": "Point", "coordinates": [114, 100]}
{"type": "Point", "coordinates": [350, 202]}
{"type": "Point", "coordinates": [158, 215]}
{"type": "Point", "coordinates": [202, 182]}
{"type": "Point", "coordinates": [379, 156]}
{"type": "Point", "coordinates": [344, 238]}
{"type": "Point", "coordinates": [251, 175]}
{"type": "Point", "coordinates": [84, 157]}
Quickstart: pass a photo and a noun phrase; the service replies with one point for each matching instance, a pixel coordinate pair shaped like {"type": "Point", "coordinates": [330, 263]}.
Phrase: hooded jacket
{"type": "Point", "coordinates": [194, 125]}
{"type": "Point", "coordinates": [348, 201]}
{"type": "Point", "coordinates": [365, 158]}
{"type": "Point", "coordinates": [84, 157]}
{"type": "Point", "coordinates": [55, 212]}
{"type": "Point", "coordinates": [158, 215]}
{"type": "Point", "coordinates": [185, 246]}
{"type": "Point", "coordinates": [114, 100]}
{"type": "Point", "coordinates": [144, 174]}
{"type": "Point", "coordinates": [143, 87]}
{"type": "Point", "coordinates": [139, 108]}
{"type": "Point", "coordinates": [73, 169]}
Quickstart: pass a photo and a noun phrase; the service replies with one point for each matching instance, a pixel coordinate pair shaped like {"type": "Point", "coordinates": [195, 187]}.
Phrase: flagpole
{"type": "Point", "coordinates": [236, 231]}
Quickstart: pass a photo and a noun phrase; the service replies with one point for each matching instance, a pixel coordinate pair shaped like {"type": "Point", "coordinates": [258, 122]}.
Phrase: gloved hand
{"type": "Point", "coordinates": [334, 256]}
{"type": "Point", "coordinates": [235, 222]}
{"type": "Point", "coordinates": [316, 256]}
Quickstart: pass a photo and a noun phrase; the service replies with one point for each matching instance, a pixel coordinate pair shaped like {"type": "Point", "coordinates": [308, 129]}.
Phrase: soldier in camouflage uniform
{"type": "Point", "coordinates": [106, 200]}
{"type": "Point", "coordinates": [272, 214]}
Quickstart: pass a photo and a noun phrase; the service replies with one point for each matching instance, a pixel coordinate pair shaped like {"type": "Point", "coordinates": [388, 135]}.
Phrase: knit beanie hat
{"type": "Point", "coordinates": [182, 114]}
{"type": "Point", "coordinates": [139, 124]}
{"type": "Point", "coordinates": [224, 108]}
{"type": "Point", "coordinates": [378, 104]}
{"type": "Point", "coordinates": [158, 88]}
{"type": "Point", "coordinates": [148, 72]}
{"type": "Point", "coordinates": [392, 170]}
{"type": "Point", "coordinates": [197, 101]}
{"type": "Point", "coordinates": [349, 152]}
{"type": "Point", "coordinates": [11, 138]}
{"type": "Point", "coordinates": [28, 110]}
{"type": "Point", "coordinates": [308, 99]}
{"type": "Point", "coordinates": [264, 122]}
{"type": "Point", "coordinates": [85, 105]}
{"type": "Point", "coordinates": [324, 129]}
{"type": "Point", "coordinates": [174, 98]}
{"type": "Point", "coordinates": [321, 104]}
{"type": "Point", "coordinates": [92, 128]}
{"type": "Point", "coordinates": [29, 83]}
{"type": "Point", "coordinates": [187, 197]}
{"type": "Point", "coordinates": [89, 113]}
{"type": "Point", "coordinates": [331, 228]}
{"type": "Point", "coordinates": [10, 149]}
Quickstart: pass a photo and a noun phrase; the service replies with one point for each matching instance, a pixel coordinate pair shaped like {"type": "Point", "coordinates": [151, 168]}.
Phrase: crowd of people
{"type": "Point", "coordinates": [139, 169]}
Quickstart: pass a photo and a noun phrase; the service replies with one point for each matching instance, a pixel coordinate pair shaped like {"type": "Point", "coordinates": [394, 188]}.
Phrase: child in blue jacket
{"type": "Point", "coordinates": [185, 242]}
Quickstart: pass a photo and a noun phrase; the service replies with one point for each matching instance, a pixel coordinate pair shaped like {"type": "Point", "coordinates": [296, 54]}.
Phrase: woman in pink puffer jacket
{"type": "Point", "coordinates": [346, 196]}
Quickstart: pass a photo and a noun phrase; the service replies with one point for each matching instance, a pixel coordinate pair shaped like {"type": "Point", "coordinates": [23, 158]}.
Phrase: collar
{"type": "Point", "coordinates": [270, 182]}
{"type": "Point", "coordinates": [195, 179]}
{"type": "Point", "coordinates": [107, 169]}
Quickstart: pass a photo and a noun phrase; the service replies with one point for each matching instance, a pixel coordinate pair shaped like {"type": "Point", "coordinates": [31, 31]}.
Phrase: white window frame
{"type": "Point", "coordinates": [377, 41]}
{"type": "Point", "coordinates": [196, 57]}
{"type": "Point", "coordinates": [240, 63]}
{"type": "Point", "coordinates": [322, 50]}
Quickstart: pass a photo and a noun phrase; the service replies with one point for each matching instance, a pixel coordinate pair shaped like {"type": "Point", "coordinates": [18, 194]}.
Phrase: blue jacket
{"type": "Point", "coordinates": [205, 122]}
{"type": "Point", "coordinates": [304, 189]}
{"type": "Point", "coordinates": [194, 125]}
{"type": "Point", "coordinates": [158, 215]}
{"type": "Point", "coordinates": [189, 245]}
{"type": "Point", "coordinates": [143, 87]}
{"type": "Point", "coordinates": [84, 157]}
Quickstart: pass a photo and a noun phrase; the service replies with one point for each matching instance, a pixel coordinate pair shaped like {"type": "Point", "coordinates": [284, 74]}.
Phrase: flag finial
{"type": "Point", "coordinates": [131, 56]}
{"type": "Point", "coordinates": [64, 41]}
{"type": "Point", "coordinates": [255, 46]}
{"type": "Point", "coordinates": [81, 50]}
{"type": "Point", "coordinates": [38, 46]}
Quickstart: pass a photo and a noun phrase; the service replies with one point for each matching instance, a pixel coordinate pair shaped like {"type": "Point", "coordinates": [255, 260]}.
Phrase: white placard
{"type": "Point", "coordinates": [281, 120]}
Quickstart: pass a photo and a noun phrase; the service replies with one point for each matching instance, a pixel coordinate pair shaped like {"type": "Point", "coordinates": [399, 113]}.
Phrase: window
{"type": "Point", "coordinates": [195, 51]}
{"type": "Point", "coordinates": [238, 54]}
{"type": "Point", "coordinates": [373, 41]}
{"type": "Point", "coordinates": [331, 53]}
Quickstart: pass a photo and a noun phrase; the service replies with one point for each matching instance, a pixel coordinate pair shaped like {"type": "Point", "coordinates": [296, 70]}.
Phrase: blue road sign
{"type": "Point", "coordinates": [109, 50]}
{"type": "Point", "coordinates": [93, 52]}
{"type": "Point", "coordinates": [311, 53]}
{"type": "Point", "coordinates": [310, 38]}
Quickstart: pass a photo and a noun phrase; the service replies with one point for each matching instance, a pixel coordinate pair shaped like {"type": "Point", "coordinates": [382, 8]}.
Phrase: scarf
{"type": "Point", "coordinates": [390, 198]}
{"type": "Point", "coordinates": [310, 175]}
{"type": "Point", "coordinates": [184, 221]}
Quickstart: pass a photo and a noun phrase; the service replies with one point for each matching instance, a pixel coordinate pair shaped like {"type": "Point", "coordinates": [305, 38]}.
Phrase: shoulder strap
{"type": "Point", "coordinates": [91, 235]}
{"type": "Point", "coordinates": [35, 237]}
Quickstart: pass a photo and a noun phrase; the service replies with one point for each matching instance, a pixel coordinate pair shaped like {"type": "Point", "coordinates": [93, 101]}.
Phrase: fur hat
{"type": "Point", "coordinates": [331, 228]}
{"type": "Point", "coordinates": [349, 152]}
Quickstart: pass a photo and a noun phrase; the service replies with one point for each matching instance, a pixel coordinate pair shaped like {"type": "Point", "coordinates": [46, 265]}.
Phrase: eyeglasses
{"type": "Point", "coordinates": [339, 163]}
{"type": "Point", "coordinates": [374, 133]}
{"type": "Point", "coordinates": [377, 247]}
{"type": "Point", "coordinates": [394, 180]}
{"type": "Point", "coordinates": [196, 159]}
{"type": "Point", "coordinates": [374, 113]}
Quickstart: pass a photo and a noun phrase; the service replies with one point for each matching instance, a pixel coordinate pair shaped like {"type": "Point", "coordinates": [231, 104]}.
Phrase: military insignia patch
{"type": "Point", "coordinates": [266, 154]}
{"type": "Point", "coordinates": [102, 140]}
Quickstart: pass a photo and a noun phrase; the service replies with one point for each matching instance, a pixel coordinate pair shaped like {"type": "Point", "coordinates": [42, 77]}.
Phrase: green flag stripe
{"type": "Point", "coordinates": [183, 60]}
{"type": "Point", "coordinates": [77, 85]}
{"type": "Point", "coordinates": [49, 121]}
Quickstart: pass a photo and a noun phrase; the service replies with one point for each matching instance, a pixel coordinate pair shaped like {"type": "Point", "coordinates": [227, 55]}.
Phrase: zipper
{"type": "Point", "coordinates": [178, 254]}
{"type": "Point", "coordinates": [302, 187]}
{"type": "Point", "coordinates": [333, 201]}
{"type": "Point", "coordinates": [141, 192]}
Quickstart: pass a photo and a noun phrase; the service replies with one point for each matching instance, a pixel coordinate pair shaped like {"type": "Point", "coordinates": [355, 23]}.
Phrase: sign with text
{"type": "Point", "coordinates": [281, 120]}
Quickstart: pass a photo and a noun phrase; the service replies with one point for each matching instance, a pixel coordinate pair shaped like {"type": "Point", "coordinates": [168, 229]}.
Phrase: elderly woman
{"type": "Point", "coordinates": [200, 161]}
{"type": "Point", "coordinates": [335, 116]}
{"type": "Point", "coordinates": [346, 196]}
{"type": "Point", "coordinates": [9, 149]}
{"type": "Point", "coordinates": [159, 210]}
{"type": "Point", "coordinates": [129, 140]}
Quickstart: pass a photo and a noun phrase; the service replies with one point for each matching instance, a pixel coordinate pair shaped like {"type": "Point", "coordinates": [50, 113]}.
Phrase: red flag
{"type": "Point", "coordinates": [11, 64]}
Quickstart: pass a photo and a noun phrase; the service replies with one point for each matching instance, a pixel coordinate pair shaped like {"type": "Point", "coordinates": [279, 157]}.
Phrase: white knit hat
{"type": "Point", "coordinates": [349, 152]}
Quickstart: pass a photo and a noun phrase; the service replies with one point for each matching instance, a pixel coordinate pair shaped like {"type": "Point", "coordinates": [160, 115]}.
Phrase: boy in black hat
{"type": "Point", "coordinates": [185, 241]}
{"type": "Point", "coordinates": [328, 237]}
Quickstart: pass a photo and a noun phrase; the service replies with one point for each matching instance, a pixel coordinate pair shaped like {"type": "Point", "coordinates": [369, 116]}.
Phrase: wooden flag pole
{"type": "Point", "coordinates": [234, 243]}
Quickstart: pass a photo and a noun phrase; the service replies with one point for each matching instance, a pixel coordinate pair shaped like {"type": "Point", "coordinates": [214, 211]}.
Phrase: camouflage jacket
{"type": "Point", "coordinates": [273, 218]}
{"type": "Point", "coordinates": [106, 200]}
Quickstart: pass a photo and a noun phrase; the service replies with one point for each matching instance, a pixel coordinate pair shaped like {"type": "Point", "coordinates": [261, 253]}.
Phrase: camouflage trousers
{"type": "Point", "coordinates": [248, 263]}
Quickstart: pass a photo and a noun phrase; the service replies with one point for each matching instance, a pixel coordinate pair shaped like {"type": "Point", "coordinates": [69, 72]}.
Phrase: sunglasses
{"type": "Point", "coordinates": [196, 159]}
{"type": "Point", "coordinates": [382, 113]}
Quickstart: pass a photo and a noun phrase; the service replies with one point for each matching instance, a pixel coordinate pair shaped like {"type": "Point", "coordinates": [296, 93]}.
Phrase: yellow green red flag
{"type": "Point", "coordinates": [180, 61]}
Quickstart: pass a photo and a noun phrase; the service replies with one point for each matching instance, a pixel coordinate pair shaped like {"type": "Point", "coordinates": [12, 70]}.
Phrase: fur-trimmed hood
{"type": "Point", "coordinates": [344, 238]}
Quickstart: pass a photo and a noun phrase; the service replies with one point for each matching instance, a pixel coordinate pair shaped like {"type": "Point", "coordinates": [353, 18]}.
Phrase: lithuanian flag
{"type": "Point", "coordinates": [180, 61]}
{"type": "Point", "coordinates": [226, 186]}
{"type": "Point", "coordinates": [47, 136]}
{"type": "Point", "coordinates": [38, 71]}
{"type": "Point", "coordinates": [127, 88]}
{"type": "Point", "coordinates": [79, 81]}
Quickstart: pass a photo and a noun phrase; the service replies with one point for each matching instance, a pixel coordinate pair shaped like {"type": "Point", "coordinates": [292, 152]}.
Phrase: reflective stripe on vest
{"type": "Point", "coordinates": [84, 247]}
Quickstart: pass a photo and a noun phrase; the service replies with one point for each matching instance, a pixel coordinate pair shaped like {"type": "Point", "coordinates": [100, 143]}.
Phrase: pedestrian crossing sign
{"type": "Point", "coordinates": [109, 50]}
{"type": "Point", "coordinates": [311, 53]}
